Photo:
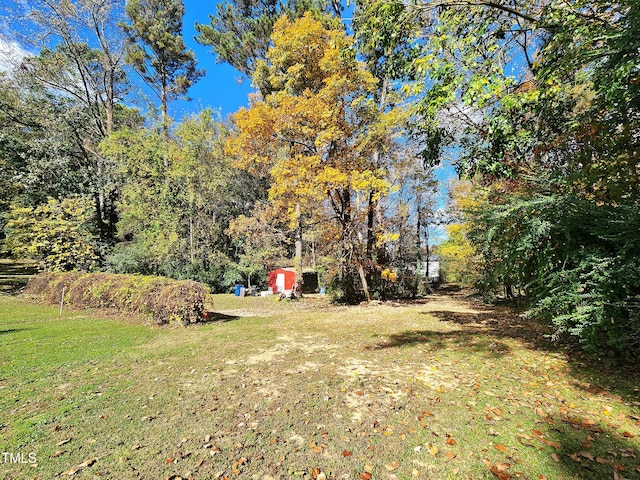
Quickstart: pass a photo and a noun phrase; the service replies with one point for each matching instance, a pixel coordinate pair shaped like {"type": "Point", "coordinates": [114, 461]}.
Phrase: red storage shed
{"type": "Point", "coordinates": [282, 279]}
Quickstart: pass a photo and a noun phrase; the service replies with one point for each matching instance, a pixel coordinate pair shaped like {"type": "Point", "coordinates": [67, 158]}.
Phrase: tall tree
{"type": "Point", "coordinates": [81, 60]}
{"type": "Point", "coordinates": [157, 50]}
{"type": "Point", "coordinates": [315, 131]}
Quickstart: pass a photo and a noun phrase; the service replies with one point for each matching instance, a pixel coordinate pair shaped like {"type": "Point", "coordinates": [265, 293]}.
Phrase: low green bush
{"type": "Point", "coordinates": [167, 300]}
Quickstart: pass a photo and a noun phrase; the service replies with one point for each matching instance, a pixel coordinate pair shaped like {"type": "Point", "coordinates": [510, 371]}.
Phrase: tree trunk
{"type": "Point", "coordinates": [297, 261]}
{"type": "Point", "coordinates": [165, 126]}
{"type": "Point", "coordinates": [191, 237]}
{"type": "Point", "coordinates": [363, 279]}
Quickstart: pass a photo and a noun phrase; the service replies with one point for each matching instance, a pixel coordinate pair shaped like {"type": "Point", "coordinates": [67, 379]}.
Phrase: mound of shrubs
{"type": "Point", "coordinates": [165, 299]}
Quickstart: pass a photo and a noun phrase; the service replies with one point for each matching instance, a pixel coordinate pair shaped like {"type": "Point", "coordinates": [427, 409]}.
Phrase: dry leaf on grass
{"type": "Point", "coordinates": [392, 466]}
{"type": "Point", "coordinates": [77, 468]}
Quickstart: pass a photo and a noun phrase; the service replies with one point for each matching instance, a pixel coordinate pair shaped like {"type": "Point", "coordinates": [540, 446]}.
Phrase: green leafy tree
{"type": "Point", "coordinates": [554, 146]}
{"type": "Point", "coordinates": [173, 218]}
{"type": "Point", "coordinates": [262, 241]}
{"type": "Point", "coordinates": [57, 234]}
{"type": "Point", "coordinates": [80, 68]}
{"type": "Point", "coordinates": [157, 50]}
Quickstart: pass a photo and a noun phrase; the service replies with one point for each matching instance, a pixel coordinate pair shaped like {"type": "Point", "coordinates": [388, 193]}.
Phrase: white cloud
{"type": "Point", "coordinates": [11, 54]}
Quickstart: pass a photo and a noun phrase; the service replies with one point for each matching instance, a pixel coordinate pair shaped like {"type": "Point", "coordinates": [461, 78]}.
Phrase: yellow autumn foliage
{"type": "Point", "coordinates": [307, 133]}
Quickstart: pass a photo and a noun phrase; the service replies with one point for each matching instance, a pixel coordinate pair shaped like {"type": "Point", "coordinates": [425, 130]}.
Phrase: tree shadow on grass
{"type": "Point", "coordinates": [483, 328]}
{"type": "Point", "coordinates": [503, 322]}
{"type": "Point", "coordinates": [586, 449]}
{"type": "Point", "coordinates": [487, 327]}
{"type": "Point", "coordinates": [12, 330]}
{"type": "Point", "coordinates": [474, 339]}
{"type": "Point", "coordinates": [215, 317]}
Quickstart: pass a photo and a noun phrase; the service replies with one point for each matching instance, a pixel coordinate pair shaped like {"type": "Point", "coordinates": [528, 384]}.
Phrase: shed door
{"type": "Point", "coordinates": [280, 283]}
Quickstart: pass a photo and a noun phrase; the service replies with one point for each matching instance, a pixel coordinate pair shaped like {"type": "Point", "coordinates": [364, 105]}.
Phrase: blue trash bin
{"type": "Point", "coordinates": [238, 287]}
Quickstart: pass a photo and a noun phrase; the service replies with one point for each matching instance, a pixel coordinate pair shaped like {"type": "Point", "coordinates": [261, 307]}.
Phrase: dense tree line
{"type": "Point", "coordinates": [330, 165]}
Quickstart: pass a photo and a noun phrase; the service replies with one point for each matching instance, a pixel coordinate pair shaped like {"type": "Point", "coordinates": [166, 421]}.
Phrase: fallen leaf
{"type": "Point", "coordinates": [522, 438]}
{"type": "Point", "coordinates": [450, 455]}
{"type": "Point", "coordinates": [555, 457]}
{"type": "Point", "coordinates": [587, 455]}
{"type": "Point", "coordinates": [450, 441]}
{"type": "Point", "coordinates": [77, 468]}
{"type": "Point", "coordinates": [58, 453]}
{"type": "Point", "coordinates": [499, 469]}
{"type": "Point", "coordinates": [240, 461]}
{"type": "Point", "coordinates": [574, 457]}
{"type": "Point", "coordinates": [365, 476]}
{"type": "Point", "coordinates": [346, 453]}
{"type": "Point", "coordinates": [500, 447]}
{"type": "Point", "coordinates": [169, 460]}
{"type": "Point", "coordinates": [601, 460]}
{"type": "Point", "coordinates": [551, 443]}
{"type": "Point", "coordinates": [628, 434]}
{"type": "Point", "coordinates": [359, 393]}
{"type": "Point", "coordinates": [392, 466]}
{"type": "Point", "coordinates": [63, 442]}
{"type": "Point", "coordinates": [315, 472]}
{"type": "Point", "coordinates": [433, 450]}
{"type": "Point", "coordinates": [617, 466]}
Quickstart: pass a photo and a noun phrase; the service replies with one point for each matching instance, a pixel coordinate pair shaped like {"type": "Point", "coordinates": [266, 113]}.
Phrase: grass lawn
{"type": "Point", "coordinates": [444, 388]}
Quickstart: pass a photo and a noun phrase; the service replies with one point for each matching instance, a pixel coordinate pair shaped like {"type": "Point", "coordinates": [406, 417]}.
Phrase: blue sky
{"type": "Point", "coordinates": [223, 87]}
